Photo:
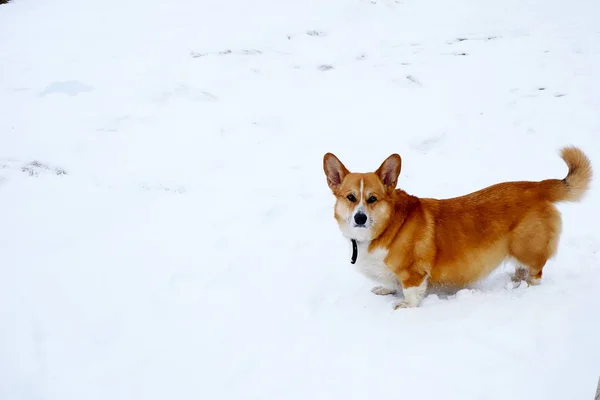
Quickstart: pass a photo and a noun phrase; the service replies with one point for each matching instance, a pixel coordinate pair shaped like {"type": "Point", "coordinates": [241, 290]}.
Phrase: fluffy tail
{"type": "Point", "coordinates": [573, 187]}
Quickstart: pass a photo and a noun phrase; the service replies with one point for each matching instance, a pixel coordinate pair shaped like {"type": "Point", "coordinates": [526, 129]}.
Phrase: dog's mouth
{"type": "Point", "coordinates": [358, 232]}
{"type": "Point", "coordinates": [367, 225]}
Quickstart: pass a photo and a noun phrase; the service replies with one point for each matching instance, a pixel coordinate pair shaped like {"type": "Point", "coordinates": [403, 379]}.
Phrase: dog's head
{"type": "Point", "coordinates": [363, 200]}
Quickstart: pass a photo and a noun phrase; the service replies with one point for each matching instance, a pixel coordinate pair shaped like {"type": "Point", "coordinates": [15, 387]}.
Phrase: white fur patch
{"type": "Point", "coordinates": [362, 234]}
{"type": "Point", "coordinates": [372, 266]}
{"type": "Point", "coordinates": [413, 295]}
{"type": "Point", "coordinates": [362, 188]}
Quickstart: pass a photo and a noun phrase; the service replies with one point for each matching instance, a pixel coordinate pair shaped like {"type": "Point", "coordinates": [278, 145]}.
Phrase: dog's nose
{"type": "Point", "coordinates": [360, 218]}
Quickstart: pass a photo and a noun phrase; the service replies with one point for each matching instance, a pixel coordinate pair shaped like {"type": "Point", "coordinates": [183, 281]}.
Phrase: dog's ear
{"type": "Point", "coordinates": [389, 171]}
{"type": "Point", "coordinates": [334, 170]}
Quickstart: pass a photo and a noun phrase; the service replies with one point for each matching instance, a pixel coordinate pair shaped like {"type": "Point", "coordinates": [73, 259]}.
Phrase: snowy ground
{"type": "Point", "coordinates": [167, 230]}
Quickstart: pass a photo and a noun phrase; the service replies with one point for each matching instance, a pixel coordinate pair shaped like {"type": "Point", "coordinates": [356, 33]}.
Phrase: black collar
{"type": "Point", "coordinates": [354, 251]}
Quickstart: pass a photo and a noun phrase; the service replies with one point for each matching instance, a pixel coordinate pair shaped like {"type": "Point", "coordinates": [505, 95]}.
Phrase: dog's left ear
{"type": "Point", "coordinates": [334, 170]}
{"type": "Point", "coordinates": [389, 171]}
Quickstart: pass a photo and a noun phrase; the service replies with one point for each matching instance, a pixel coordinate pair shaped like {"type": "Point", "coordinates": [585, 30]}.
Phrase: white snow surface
{"type": "Point", "coordinates": [167, 231]}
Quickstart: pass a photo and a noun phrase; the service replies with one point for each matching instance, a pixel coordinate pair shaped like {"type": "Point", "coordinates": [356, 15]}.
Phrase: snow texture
{"type": "Point", "coordinates": [167, 231]}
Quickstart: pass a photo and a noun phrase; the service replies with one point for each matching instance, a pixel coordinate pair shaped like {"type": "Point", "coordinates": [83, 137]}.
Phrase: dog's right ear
{"type": "Point", "coordinates": [334, 170]}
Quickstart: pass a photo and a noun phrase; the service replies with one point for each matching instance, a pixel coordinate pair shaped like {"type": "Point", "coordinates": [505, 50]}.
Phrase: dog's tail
{"type": "Point", "coordinates": [573, 187]}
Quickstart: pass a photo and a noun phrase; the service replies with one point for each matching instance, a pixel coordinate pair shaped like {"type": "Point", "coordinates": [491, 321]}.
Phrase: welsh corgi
{"type": "Point", "coordinates": [407, 243]}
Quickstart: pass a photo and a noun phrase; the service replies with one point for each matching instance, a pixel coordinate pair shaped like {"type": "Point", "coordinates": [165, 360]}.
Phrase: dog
{"type": "Point", "coordinates": [407, 243]}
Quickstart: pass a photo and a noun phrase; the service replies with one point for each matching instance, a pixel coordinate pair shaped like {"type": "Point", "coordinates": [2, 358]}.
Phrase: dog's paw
{"type": "Point", "coordinates": [521, 274]}
{"type": "Point", "coordinates": [531, 281]}
{"type": "Point", "coordinates": [516, 284]}
{"type": "Point", "coordinates": [382, 291]}
{"type": "Point", "coordinates": [403, 304]}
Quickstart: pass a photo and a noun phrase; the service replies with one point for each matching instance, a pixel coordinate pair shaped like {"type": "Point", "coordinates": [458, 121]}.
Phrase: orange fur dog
{"type": "Point", "coordinates": [406, 242]}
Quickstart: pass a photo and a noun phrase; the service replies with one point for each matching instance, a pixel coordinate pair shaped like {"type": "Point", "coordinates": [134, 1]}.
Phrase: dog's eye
{"type": "Point", "coordinates": [351, 198]}
{"type": "Point", "coordinates": [371, 199]}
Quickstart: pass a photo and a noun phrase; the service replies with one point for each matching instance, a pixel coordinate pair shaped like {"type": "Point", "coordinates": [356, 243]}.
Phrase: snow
{"type": "Point", "coordinates": [167, 230]}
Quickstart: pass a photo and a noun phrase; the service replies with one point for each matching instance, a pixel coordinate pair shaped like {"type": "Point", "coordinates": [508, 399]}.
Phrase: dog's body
{"type": "Point", "coordinates": [406, 242]}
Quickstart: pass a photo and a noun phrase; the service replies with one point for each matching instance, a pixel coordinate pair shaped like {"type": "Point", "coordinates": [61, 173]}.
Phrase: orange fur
{"type": "Point", "coordinates": [460, 240]}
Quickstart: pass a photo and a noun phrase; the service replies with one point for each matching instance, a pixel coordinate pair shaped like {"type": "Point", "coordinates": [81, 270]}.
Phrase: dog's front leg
{"type": "Point", "coordinates": [414, 288]}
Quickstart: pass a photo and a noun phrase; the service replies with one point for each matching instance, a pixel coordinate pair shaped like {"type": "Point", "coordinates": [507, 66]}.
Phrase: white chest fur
{"type": "Point", "coordinates": [372, 265]}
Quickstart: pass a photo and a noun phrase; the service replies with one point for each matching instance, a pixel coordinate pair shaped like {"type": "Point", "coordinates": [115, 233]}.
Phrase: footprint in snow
{"type": "Point", "coordinates": [310, 32]}
{"type": "Point", "coordinates": [243, 52]}
{"type": "Point", "coordinates": [163, 188]}
{"type": "Point", "coordinates": [34, 168]}
{"type": "Point", "coordinates": [409, 81]}
{"type": "Point", "coordinates": [428, 144]}
{"type": "Point", "coordinates": [535, 92]}
{"type": "Point", "coordinates": [189, 92]}
{"type": "Point", "coordinates": [464, 39]}
{"type": "Point", "coordinates": [315, 33]}
{"type": "Point", "coordinates": [71, 88]}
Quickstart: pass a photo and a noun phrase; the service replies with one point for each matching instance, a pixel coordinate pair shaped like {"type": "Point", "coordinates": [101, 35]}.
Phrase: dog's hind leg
{"type": "Point", "coordinates": [534, 241]}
